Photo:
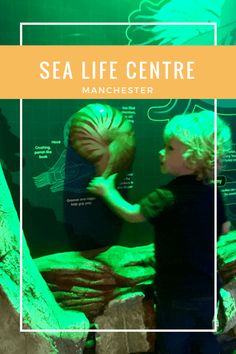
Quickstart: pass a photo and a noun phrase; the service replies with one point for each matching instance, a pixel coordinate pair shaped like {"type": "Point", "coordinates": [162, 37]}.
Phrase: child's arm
{"type": "Point", "coordinates": [105, 188]}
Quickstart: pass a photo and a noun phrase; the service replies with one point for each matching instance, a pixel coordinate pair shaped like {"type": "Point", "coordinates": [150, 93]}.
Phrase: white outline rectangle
{"type": "Point", "coordinates": [214, 24]}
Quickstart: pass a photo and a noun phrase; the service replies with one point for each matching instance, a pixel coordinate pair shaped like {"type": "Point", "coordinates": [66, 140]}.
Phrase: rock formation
{"type": "Point", "coordinates": [39, 308]}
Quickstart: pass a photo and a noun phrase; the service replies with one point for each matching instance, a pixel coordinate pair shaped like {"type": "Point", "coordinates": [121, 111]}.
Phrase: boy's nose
{"type": "Point", "coordinates": [162, 153]}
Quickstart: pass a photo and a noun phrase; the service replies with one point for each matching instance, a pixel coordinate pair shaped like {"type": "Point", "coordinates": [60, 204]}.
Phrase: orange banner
{"type": "Point", "coordinates": [118, 72]}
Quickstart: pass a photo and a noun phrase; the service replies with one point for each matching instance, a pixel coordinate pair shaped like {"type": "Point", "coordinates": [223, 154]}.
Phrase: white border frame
{"type": "Point", "coordinates": [22, 24]}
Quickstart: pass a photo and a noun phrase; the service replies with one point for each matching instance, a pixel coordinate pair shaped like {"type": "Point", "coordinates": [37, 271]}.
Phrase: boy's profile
{"type": "Point", "coordinates": [182, 213]}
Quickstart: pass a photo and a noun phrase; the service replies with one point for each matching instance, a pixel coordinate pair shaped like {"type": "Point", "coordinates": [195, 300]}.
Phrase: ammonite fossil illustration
{"type": "Point", "coordinates": [102, 135]}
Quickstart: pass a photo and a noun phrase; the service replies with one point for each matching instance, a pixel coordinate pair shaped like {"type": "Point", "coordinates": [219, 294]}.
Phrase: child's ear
{"type": "Point", "coordinates": [189, 163]}
{"type": "Point", "coordinates": [187, 158]}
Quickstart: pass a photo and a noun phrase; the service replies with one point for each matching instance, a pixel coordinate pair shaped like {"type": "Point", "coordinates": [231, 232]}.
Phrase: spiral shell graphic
{"type": "Point", "coordinates": [103, 136]}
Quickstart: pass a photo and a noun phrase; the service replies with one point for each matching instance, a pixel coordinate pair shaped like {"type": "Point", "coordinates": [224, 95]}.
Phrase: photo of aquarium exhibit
{"type": "Point", "coordinates": [59, 214]}
{"type": "Point", "coordinates": [67, 227]}
{"type": "Point", "coordinates": [82, 266]}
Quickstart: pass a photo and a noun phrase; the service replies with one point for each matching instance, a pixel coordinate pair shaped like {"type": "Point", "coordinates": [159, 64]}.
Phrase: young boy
{"type": "Point", "coordinates": [182, 213]}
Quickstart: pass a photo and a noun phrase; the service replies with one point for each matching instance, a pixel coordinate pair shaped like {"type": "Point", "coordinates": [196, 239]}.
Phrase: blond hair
{"type": "Point", "coordinates": [197, 132]}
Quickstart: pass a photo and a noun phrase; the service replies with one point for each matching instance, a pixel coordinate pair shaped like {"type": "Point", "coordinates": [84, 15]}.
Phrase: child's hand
{"type": "Point", "coordinates": [101, 186]}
